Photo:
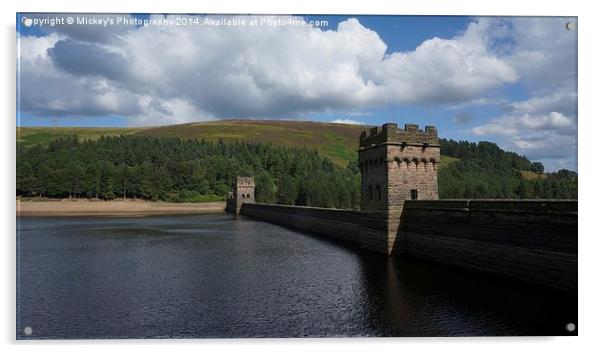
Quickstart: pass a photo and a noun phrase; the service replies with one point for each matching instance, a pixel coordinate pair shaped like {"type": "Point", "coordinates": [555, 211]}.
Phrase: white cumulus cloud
{"type": "Point", "coordinates": [515, 124]}
{"type": "Point", "coordinates": [166, 74]}
{"type": "Point", "coordinates": [347, 121]}
{"type": "Point", "coordinates": [535, 128]}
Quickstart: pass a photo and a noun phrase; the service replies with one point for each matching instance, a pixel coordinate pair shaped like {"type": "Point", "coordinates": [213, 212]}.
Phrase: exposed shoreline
{"type": "Point", "coordinates": [124, 208]}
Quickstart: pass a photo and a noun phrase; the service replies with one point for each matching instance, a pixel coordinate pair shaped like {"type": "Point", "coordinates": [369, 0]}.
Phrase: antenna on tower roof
{"type": "Point", "coordinates": [393, 118]}
{"type": "Point", "coordinates": [365, 116]}
{"type": "Point", "coordinates": [389, 108]}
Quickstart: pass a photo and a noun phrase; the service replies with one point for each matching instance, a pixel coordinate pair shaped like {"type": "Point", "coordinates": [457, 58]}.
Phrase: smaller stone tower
{"type": "Point", "coordinates": [243, 191]}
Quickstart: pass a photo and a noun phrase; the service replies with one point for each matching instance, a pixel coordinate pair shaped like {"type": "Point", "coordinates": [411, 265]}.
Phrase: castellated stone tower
{"type": "Point", "coordinates": [398, 165]}
{"type": "Point", "coordinates": [243, 191]}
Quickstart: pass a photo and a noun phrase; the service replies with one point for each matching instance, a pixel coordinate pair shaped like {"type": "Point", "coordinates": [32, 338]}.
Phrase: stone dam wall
{"type": "Point", "coordinates": [534, 241]}
{"type": "Point", "coordinates": [363, 229]}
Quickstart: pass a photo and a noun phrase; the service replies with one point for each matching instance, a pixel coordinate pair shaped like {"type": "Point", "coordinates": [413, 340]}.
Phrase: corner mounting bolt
{"type": "Point", "coordinates": [570, 25]}
{"type": "Point", "coordinates": [570, 327]}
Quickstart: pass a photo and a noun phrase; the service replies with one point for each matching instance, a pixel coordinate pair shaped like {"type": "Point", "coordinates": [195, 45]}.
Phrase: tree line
{"type": "Point", "coordinates": [180, 170]}
{"type": "Point", "coordinates": [486, 171]}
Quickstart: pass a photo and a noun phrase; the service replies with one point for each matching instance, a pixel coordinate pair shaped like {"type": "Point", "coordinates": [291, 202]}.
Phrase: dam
{"type": "Point", "coordinates": [533, 241]}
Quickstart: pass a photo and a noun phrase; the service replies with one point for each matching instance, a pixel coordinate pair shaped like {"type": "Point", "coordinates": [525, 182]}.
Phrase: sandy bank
{"type": "Point", "coordinates": [112, 208]}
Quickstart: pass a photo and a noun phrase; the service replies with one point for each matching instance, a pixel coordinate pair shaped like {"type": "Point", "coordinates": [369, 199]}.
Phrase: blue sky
{"type": "Point", "coordinates": [507, 80]}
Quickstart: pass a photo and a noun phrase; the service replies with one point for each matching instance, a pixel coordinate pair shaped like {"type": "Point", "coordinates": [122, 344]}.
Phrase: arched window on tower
{"type": "Point", "coordinates": [370, 193]}
{"type": "Point", "coordinates": [377, 192]}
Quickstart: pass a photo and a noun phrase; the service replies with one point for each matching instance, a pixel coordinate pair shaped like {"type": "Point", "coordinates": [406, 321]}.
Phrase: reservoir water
{"type": "Point", "coordinates": [213, 276]}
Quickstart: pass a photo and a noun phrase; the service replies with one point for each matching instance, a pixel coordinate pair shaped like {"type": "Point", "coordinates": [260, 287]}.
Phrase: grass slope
{"type": "Point", "coordinates": [30, 136]}
{"type": "Point", "coordinates": [339, 142]}
{"type": "Point", "coordinates": [529, 175]}
{"type": "Point", "coordinates": [447, 160]}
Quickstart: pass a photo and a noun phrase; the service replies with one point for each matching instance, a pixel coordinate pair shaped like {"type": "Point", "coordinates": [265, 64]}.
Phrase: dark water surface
{"type": "Point", "coordinates": [213, 276]}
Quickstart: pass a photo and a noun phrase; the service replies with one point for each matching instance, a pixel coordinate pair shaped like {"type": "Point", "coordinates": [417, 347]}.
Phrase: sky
{"type": "Point", "coordinates": [509, 80]}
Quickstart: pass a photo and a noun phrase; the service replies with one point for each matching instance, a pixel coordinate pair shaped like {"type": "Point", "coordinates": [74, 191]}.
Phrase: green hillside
{"type": "Point", "coordinates": [338, 142]}
{"type": "Point", "coordinates": [468, 169]}
{"type": "Point", "coordinates": [335, 141]}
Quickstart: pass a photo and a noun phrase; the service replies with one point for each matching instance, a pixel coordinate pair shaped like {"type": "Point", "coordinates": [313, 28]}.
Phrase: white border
{"type": "Point", "coordinates": [589, 130]}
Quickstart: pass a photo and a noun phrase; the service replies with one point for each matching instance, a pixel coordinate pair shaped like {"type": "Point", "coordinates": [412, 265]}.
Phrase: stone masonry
{"type": "Point", "coordinates": [243, 191]}
{"type": "Point", "coordinates": [397, 165]}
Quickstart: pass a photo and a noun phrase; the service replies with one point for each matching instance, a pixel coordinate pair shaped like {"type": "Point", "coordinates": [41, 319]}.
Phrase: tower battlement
{"type": "Point", "coordinates": [244, 181]}
{"type": "Point", "coordinates": [391, 134]}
